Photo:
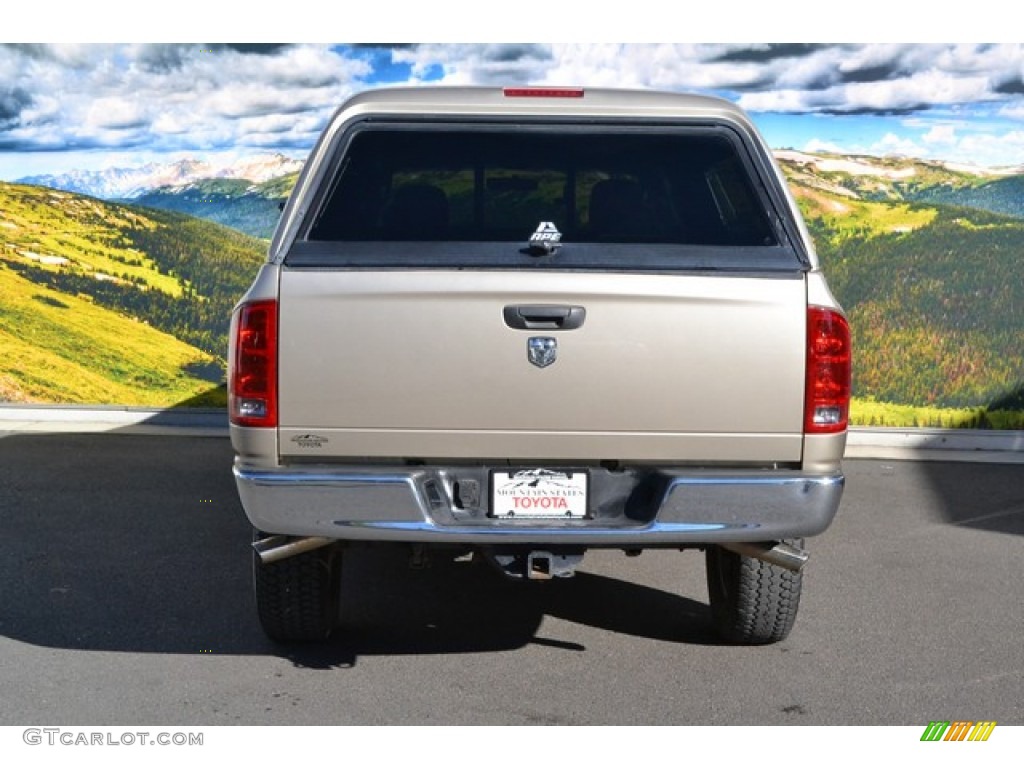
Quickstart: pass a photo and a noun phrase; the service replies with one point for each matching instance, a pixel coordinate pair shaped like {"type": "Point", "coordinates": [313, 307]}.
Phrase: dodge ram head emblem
{"type": "Point", "coordinates": [542, 350]}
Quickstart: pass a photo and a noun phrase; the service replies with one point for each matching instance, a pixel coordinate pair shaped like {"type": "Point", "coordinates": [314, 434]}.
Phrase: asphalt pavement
{"type": "Point", "coordinates": [125, 598]}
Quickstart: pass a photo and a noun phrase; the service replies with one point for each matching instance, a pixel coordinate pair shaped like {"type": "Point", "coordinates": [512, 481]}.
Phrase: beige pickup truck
{"type": "Point", "coordinates": [525, 322]}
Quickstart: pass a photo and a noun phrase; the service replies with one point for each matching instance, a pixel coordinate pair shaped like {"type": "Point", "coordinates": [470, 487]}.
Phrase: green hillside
{"type": "Point", "coordinates": [107, 303]}
{"type": "Point", "coordinates": [237, 203]}
{"type": "Point", "coordinates": [935, 302]}
{"type": "Point", "coordinates": [65, 349]}
{"type": "Point", "coordinates": [998, 196]}
{"type": "Point", "coordinates": [110, 303]}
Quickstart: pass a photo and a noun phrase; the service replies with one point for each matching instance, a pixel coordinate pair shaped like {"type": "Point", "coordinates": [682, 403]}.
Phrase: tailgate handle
{"type": "Point", "coordinates": [544, 317]}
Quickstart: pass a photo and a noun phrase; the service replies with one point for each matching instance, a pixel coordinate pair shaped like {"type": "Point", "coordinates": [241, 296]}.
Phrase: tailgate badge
{"type": "Point", "coordinates": [542, 350]}
{"type": "Point", "coordinates": [309, 441]}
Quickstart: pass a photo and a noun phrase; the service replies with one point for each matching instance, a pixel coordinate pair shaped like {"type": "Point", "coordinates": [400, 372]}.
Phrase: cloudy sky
{"type": "Point", "coordinates": [92, 106]}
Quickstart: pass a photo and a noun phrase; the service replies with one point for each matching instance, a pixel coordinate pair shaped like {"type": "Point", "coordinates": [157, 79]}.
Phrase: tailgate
{"type": "Point", "coordinates": [422, 364]}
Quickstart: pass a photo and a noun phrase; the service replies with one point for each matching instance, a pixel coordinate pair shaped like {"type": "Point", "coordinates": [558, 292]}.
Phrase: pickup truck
{"type": "Point", "coordinates": [519, 323]}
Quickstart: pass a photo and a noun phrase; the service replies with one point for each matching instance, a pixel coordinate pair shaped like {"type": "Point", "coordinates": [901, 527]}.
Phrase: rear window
{"type": "Point", "coordinates": [500, 185]}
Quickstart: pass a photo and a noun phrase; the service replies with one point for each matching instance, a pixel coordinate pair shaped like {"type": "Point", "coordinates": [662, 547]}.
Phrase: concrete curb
{"type": "Point", "coordinates": [863, 442]}
{"type": "Point", "coordinates": [965, 445]}
{"type": "Point", "coordinates": [197, 422]}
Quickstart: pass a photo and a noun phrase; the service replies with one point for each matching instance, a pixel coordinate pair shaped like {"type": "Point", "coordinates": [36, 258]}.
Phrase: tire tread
{"type": "Point", "coordinates": [752, 602]}
{"type": "Point", "coordinates": [297, 598]}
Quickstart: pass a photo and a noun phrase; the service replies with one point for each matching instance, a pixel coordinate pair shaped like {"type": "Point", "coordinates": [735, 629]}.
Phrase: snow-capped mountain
{"type": "Point", "coordinates": [890, 166]}
{"type": "Point", "coordinates": [129, 183]}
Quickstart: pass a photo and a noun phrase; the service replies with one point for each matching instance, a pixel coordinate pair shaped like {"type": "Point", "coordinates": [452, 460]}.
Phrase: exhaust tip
{"type": "Point", "coordinates": [278, 547]}
{"type": "Point", "coordinates": [777, 553]}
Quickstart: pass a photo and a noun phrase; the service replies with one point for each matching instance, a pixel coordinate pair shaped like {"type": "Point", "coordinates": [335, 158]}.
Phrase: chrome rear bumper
{"type": "Point", "coordinates": [639, 509]}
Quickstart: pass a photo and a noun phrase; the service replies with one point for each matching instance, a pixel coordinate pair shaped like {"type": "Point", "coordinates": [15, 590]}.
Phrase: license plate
{"type": "Point", "coordinates": [538, 493]}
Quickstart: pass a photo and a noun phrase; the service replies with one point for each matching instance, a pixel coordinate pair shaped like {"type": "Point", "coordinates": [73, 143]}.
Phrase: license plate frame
{"type": "Point", "coordinates": [539, 493]}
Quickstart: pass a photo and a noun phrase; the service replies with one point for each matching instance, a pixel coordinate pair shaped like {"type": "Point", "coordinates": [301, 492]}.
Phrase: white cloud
{"type": "Point", "coordinates": [171, 97]}
{"type": "Point", "coordinates": [884, 55]}
{"type": "Point", "coordinates": [1002, 149]}
{"type": "Point", "coordinates": [168, 123]}
{"type": "Point", "coordinates": [940, 134]}
{"type": "Point", "coordinates": [921, 89]}
{"type": "Point", "coordinates": [43, 110]}
{"type": "Point", "coordinates": [483, 64]}
{"type": "Point", "coordinates": [918, 91]}
{"type": "Point", "coordinates": [940, 142]}
{"type": "Point", "coordinates": [788, 100]}
{"type": "Point", "coordinates": [1013, 111]}
{"type": "Point", "coordinates": [888, 78]}
{"type": "Point", "coordinates": [818, 145]}
{"type": "Point", "coordinates": [662, 66]}
{"type": "Point", "coordinates": [891, 144]}
{"type": "Point", "coordinates": [115, 113]}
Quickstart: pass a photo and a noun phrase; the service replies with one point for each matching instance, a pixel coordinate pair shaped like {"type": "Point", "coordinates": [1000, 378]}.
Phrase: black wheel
{"type": "Point", "coordinates": [752, 602]}
{"type": "Point", "coordinates": [297, 598]}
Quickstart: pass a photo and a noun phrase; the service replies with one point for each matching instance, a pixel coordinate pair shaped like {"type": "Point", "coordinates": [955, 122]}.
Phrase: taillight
{"type": "Point", "coordinates": [827, 403]}
{"type": "Point", "coordinates": [543, 91]}
{"type": "Point", "coordinates": [253, 395]}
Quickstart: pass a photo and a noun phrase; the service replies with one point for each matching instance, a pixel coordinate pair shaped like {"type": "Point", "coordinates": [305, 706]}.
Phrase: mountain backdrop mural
{"type": "Point", "coordinates": [120, 302]}
{"type": "Point", "coordinates": [139, 184]}
{"type": "Point", "coordinates": [102, 302]}
{"type": "Point", "coordinates": [932, 289]}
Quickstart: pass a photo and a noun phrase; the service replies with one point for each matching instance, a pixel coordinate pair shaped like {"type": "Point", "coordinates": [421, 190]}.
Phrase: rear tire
{"type": "Point", "coordinates": [297, 598]}
{"type": "Point", "coordinates": [752, 602]}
